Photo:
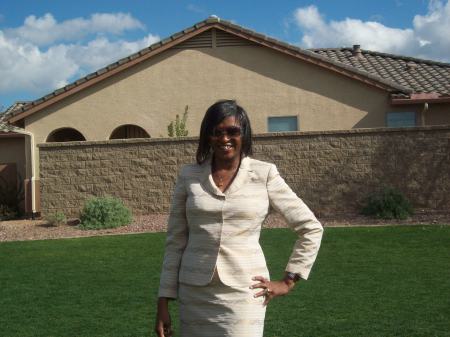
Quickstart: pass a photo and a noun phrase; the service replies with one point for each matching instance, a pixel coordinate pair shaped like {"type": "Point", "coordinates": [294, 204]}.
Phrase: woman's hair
{"type": "Point", "coordinates": [215, 114]}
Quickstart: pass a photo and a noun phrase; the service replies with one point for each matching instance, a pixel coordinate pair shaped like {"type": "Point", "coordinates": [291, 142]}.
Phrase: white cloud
{"type": "Point", "coordinates": [427, 38]}
{"type": "Point", "coordinates": [28, 63]}
{"type": "Point", "coordinates": [25, 67]}
{"type": "Point", "coordinates": [433, 31]}
{"type": "Point", "coordinates": [99, 52]}
{"type": "Point", "coordinates": [46, 30]}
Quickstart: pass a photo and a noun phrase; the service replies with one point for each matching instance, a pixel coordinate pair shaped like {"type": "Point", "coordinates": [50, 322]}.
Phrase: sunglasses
{"type": "Point", "coordinates": [230, 131]}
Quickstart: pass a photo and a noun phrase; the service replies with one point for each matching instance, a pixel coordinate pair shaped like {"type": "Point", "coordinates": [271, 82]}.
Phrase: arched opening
{"type": "Point", "coordinates": [65, 135]}
{"type": "Point", "coordinates": [129, 131]}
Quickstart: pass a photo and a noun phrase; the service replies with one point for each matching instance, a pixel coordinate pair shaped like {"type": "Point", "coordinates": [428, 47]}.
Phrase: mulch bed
{"type": "Point", "coordinates": [22, 230]}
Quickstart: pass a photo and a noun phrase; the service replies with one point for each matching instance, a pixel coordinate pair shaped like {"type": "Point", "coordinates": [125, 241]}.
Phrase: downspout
{"type": "Point", "coordinates": [422, 115]}
{"type": "Point", "coordinates": [33, 169]}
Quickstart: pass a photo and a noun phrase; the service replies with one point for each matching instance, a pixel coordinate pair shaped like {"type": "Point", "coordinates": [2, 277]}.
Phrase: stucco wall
{"type": "Point", "coordinates": [434, 114]}
{"type": "Point", "coordinates": [438, 114]}
{"type": "Point", "coordinates": [12, 150]}
{"type": "Point", "coordinates": [332, 171]}
{"type": "Point", "coordinates": [267, 83]}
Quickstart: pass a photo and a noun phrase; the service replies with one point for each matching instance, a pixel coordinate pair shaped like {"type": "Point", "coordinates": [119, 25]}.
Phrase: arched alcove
{"type": "Point", "coordinates": [129, 131]}
{"type": "Point", "coordinates": [65, 135]}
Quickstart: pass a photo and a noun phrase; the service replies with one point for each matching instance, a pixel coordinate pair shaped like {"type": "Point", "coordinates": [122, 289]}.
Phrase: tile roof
{"type": "Point", "coordinates": [6, 128]}
{"type": "Point", "coordinates": [381, 68]}
{"type": "Point", "coordinates": [422, 76]}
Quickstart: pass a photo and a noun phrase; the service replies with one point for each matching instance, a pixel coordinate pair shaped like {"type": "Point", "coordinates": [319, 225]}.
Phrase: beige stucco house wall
{"type": "Point", "coordinates": [150, 94]}
{"type": "Point", "coordinates": [13, 151]}
{"type": "Point", "coordinates": [266, 82]}
{"type": "Point", "coordinates": [437, 114]}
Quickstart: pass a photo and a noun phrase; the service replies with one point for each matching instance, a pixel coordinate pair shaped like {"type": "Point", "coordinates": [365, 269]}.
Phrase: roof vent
{"type": "Point", "coordinates": [213, 18]}
{"type": "Point", "coordinates": [411, 66]}
{"type": "Point", "coordinates": [357, 52]}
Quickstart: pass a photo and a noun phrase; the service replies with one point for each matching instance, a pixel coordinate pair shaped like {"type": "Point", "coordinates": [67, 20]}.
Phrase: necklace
{"type": "Point", "coordinates": [220, 183]}
{"type": "Point", "coordinates": [222, 179]}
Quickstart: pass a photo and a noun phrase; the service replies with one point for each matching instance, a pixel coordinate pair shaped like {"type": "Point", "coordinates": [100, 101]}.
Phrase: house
{"type": "Point", "coordinates": [283, 88]}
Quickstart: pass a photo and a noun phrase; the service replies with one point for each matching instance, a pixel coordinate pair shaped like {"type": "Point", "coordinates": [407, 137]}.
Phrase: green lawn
{"type": "Point", "coordinates": [381, 281]}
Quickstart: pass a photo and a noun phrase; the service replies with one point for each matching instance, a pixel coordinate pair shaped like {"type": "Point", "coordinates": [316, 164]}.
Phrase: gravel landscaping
{"type": "Point", "coordinates": [20, 230]}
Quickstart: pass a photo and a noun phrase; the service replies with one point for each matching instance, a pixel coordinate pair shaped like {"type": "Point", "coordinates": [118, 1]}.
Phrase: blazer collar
{"type": "Point", "coordinates": [240, 179]}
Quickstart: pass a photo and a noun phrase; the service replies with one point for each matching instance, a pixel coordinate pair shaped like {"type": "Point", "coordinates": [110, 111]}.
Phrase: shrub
{"type": "Point", "coordinates": [56, 219]}
{"type": "Point", "coordinates": [388, 204]}
{"type": "Point", "coordinates": [104, 212]}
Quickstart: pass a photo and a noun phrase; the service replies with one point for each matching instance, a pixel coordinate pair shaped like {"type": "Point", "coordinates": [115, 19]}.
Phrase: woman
{"type": "Point", "coordinates": [213, 262]}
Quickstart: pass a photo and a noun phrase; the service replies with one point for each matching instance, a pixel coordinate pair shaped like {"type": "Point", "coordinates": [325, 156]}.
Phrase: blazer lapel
{"type": "Point", "coordinates": [242, 176]}
{"type": "Point", "coordinates": [206, 179]}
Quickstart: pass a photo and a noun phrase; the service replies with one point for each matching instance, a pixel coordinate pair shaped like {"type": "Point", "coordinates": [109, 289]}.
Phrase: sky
{"type": "Point", "coordinates": [46, 44]}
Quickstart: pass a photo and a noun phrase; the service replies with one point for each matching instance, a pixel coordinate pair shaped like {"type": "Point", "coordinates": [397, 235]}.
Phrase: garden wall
{"type": "Point", "coordinates": [332, 171]}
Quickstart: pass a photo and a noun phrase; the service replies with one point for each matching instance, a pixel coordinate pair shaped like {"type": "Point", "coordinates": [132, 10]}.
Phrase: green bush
{"type": "Point", "coordinates": [104, 212]}
{"type": "Point", "coordinates": [388, 204]}
{"type": "Point", "coordinates": [56, 219]}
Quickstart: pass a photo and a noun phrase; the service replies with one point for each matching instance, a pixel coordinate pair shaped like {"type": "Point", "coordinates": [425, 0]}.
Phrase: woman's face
{"type": "Point", "coordinates": [226, 140]}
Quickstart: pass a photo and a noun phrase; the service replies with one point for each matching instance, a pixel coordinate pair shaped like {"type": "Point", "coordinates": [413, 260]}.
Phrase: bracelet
{"type": "Point", "coordinates": [292, 276]}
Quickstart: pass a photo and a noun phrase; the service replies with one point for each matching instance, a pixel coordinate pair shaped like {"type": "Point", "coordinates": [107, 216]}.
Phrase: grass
{"type": "Point", "coordinates": [381, 281]}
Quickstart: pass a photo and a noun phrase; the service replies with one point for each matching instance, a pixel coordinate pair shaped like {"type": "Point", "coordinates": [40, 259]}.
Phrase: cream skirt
{"type": "Point", "coordinates": [218, 310]}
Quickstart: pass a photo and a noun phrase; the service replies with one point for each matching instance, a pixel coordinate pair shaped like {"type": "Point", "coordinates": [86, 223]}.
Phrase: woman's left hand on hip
{"type": "Point", "coordinates": [270, 289]}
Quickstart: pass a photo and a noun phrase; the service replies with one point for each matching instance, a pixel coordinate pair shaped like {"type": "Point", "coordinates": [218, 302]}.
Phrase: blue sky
{"type": "Point", "coordinates": [46, 44]}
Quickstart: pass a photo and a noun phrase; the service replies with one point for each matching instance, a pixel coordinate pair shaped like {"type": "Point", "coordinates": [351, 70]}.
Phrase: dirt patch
{"type": "Point", "coordinates": [20, 230]}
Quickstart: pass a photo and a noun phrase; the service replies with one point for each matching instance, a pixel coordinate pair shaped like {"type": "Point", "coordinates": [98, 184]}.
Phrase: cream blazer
{"type": "Point", "coordinates": [208, 229]}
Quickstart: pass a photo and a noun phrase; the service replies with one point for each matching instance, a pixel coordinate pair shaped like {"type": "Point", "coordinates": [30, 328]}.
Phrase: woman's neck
{"type": "Point", "coordinates": [226, 164]}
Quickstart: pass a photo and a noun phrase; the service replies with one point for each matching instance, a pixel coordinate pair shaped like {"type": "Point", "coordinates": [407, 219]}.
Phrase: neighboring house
{"type": "Point", "coordinates": [283, 88]}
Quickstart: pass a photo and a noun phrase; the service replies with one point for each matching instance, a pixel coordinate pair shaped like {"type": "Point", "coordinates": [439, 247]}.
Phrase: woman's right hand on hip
{"type": "Point", "coordinates": [163, 326]}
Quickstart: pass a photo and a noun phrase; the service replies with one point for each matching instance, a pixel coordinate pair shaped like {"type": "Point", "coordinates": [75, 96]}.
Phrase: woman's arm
{"type": "Point", "coordinates": [177, 235]}
{"type": "Point", "coordinates": [304, 223]}
{"type": "Point", "coordinates": [176, 240]}
{"type": "Point", "coordinates": [300, 219]}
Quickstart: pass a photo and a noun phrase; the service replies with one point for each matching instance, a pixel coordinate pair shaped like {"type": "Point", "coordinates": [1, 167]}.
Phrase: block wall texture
{"type": "Point", "coordinates": [333, 172]}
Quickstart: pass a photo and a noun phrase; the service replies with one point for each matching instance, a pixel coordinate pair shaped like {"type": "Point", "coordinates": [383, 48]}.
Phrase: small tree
{"type": "Point", "coordinates": [178, 128]}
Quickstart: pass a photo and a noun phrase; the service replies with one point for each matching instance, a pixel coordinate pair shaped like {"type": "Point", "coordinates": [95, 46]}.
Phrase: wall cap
{"type": "Point", "coordinates": [296, 134]}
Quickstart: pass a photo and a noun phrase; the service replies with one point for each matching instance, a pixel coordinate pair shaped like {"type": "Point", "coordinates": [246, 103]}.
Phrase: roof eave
{"type": "Point", "coordinates": [418, 98]}
{"type": "Point", "coordinates": [11, 134]}
{"type": "Point", "coordinates": [407, 101]}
